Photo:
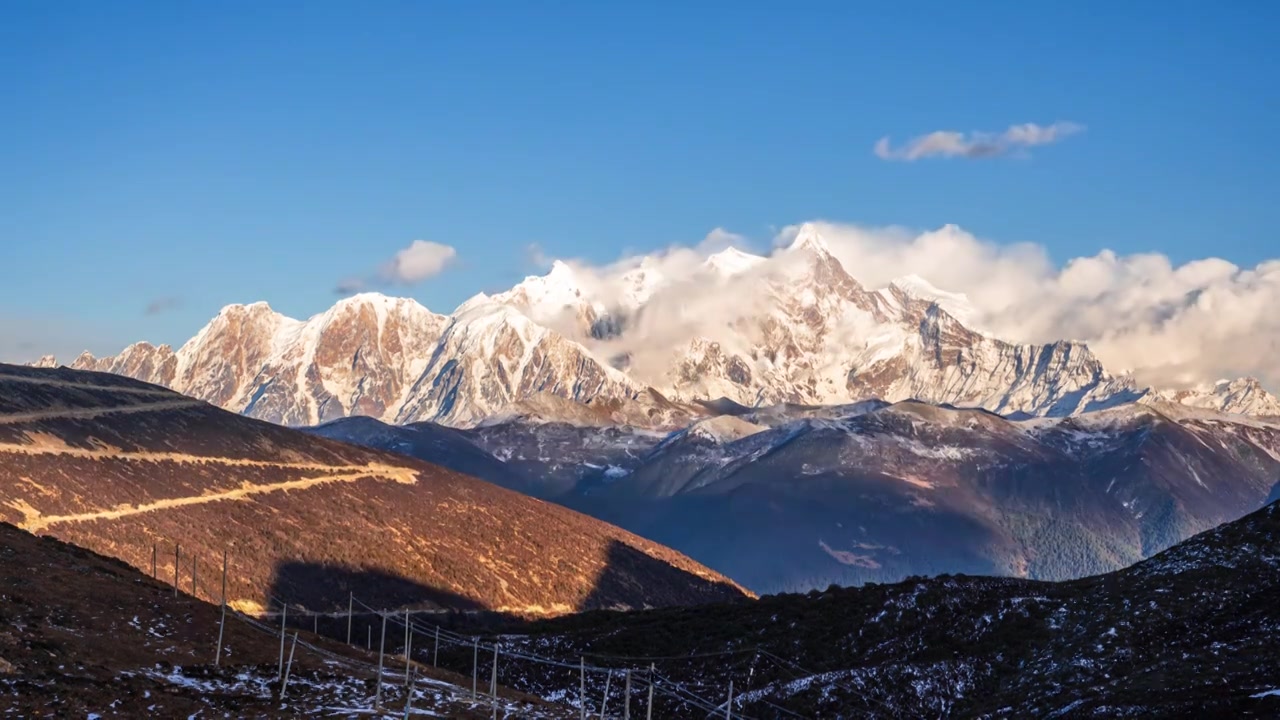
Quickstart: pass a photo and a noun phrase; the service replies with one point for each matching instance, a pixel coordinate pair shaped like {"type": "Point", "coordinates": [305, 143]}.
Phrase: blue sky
{"type": "Point", "coordinates": [198, 154]}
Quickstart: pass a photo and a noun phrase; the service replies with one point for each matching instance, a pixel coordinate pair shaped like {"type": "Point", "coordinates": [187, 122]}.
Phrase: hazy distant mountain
{"type": "Point", "coordinates": [786, 498]}
{"type": "Point", "coordinates": [804, 332]}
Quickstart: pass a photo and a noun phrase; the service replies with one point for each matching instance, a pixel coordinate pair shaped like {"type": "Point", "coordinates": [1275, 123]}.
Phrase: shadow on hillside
{"type": "Point", "coordinates": [634, 579]}
{"type": "Point", "coordinates": [326, 587]}
{"type": "Point", "coordinates": [317, 594]}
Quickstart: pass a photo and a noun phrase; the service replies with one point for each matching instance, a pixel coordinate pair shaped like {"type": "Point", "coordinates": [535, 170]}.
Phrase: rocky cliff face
{"type": "Point", "coordinates": [358, 358]}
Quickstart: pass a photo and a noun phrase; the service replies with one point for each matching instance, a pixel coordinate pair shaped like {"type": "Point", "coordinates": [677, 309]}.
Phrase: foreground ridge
{"type": "Point", "coordinates": [92, 459]}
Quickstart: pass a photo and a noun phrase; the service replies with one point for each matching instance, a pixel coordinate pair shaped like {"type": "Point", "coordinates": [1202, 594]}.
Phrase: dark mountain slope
{"type": "Point", "coordinates": [118, 466]}
{"type": "Point", "coordinates": [1190, 632]}
{"type": "Point", "coordinates": [441, 445]}
{"type": "Point", "coordinates": [791, 498]}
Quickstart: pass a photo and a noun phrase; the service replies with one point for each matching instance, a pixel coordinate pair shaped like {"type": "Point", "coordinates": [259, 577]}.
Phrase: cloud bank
{"type": "Point", "coordinates": [974, 145]}
{"type": "Point", "coordinates": [1173, 326]}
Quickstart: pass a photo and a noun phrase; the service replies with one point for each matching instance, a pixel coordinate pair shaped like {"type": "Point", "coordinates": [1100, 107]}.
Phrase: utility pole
{"type": "Point", "coordinates": [175, 569]}
{"type": "Point", "coordinates": [408, 699]}
{"type": "Point", "coordinates": [222, 624]}
{"type": "Point", "coordinates": [475, 665]}
{"type": "Point", "coordinates": [648, 708]}
{"type": "Point", "coordinates": [351, 603]}
{"type": "Point", "coordinates": [193, 577]}
{"type": "Point", "coordinates": [382, 648]}
{"type": "Point", "coordinates": [605, 701]}
{"type": "Point", "coordinates": [493, 680]}
{"type": "Point", "coordinates": [284, 615]}
{"type": "Point", "coordinates": [408, 647]}
{"type": "Point", "coordinates": [284, 683]}
{"type": "Point", "coordinates": [582, 688]}
{"type": "Point", "coordinates": [728, 707]}
{"type": "Point", "coordinates": [154, 550]}
{"type": "Point", "coordinates": [626, 702]}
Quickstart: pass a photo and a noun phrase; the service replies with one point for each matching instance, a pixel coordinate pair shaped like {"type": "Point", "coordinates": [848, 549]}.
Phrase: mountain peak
{"type": "Point", "coordinates": [560, 270]}
{"type": "Point", "coordinates": [260, 306]}
{"type": "Point", "coordinates": [732, 261]}
{"type": "Point", "coordinates": [808, 238]}
{"type": "Point", "coordinates": [956, 304]}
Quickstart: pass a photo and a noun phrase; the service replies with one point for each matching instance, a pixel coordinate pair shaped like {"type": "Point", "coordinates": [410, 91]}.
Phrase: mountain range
{"type": "Point", "coordinates": [787, 498]}
{"type": "Point", "coordinates": [646, 349]}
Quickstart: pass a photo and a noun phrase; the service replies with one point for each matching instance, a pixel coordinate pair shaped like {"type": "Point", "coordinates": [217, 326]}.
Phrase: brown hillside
{"type": "Point", "coordinates": [120, 467]}
{"type": "Point", "coordinates": [82, 635]}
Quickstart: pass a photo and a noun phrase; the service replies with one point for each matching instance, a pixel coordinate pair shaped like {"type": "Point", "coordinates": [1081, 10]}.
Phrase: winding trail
{"type": "Point", "coordinates": [87, 413]}
{"type": "Point", "coordinates": [34, 521]}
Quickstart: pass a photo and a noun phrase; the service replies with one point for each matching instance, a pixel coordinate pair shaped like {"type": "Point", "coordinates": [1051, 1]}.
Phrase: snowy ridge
{"type": "Point", "coordinates": [805, 332]}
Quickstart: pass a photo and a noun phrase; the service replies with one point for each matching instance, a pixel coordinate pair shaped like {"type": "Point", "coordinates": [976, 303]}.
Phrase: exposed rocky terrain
{"type": "Point", "coordinates": [128, 469]}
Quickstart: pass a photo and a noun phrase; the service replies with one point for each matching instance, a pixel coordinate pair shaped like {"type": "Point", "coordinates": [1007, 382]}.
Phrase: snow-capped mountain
{"type": "Point", "coordinates": [490, 357]}
{"type": "Point", "coordinates": [360, 357]}
{"type": "Point", "coordinates": [819, 337]}
{"type": "Point", "coordinates": [794, 327]}
{"type": "Point", "coordinates": [1244, 396]}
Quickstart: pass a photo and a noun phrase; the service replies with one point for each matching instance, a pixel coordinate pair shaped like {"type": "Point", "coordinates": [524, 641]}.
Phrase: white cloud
{"type": "Point", "coordinates": [1172, 325]}
{"type": "Point", "coordinates": [949, 143]}
{"type": "Point", "coordinates": [421, 260]}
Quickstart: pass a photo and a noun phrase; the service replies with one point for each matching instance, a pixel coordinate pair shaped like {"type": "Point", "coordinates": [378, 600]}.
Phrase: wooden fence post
{"type": "Point", "coordinates": [582, 688]}
{"type": "Point", "coordinates": [175, 569]}
{"type": "Point", "coordinates": [154, 551]}
{"type": "Point", "coordinates": [626, 702]}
